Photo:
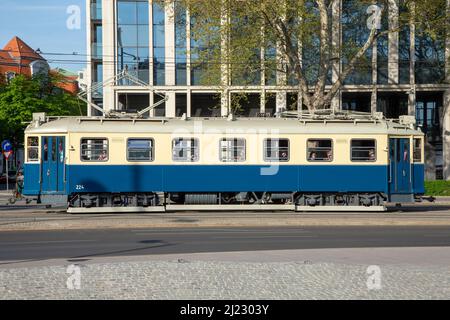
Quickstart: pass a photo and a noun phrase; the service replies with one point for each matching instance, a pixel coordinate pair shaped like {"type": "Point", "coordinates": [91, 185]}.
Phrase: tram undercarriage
{"type": "Point", "coordinates": [226, 201]}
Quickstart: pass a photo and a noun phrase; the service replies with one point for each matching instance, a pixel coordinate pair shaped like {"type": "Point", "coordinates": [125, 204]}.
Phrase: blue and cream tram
{"type": "Point", "coordinates": [137, 165]}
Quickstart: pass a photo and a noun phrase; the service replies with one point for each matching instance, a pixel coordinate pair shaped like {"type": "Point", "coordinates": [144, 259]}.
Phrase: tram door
{"type": "Point", "coordinates": [399, 166]}
{"type": "Point", "coordinates": [53, 149]}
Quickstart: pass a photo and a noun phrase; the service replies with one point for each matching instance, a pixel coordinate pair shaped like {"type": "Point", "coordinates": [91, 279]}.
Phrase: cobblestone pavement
{"type": "Point", "coordinates": [181, 279]}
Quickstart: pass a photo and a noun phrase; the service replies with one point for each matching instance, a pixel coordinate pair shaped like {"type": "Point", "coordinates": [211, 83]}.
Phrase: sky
{"type": "Point", "coordinates": [45, 24]}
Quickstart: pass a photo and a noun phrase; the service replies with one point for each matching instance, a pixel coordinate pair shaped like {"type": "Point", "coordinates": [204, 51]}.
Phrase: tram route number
{"type": "Point", "coordinates": [230, 310]}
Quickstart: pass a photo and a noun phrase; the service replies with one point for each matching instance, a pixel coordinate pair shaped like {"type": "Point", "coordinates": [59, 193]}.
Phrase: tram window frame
{"type": "Point", "coordinates": [278, 159]}
{"type": "Point", "coordinates": [45, 151]}
{"type": "Point", "coordinates": [237, 145]}
{"type": "Point", "coordinates": [54, 149]}
{"type": "Point", "coordinates": [33, 146]}
{"type": "Point", "coordinates": [417, 150]}
{"type": "Point", "coordinates": [363, 160]}
{"type": "Point", "coordinates": [95, 138]}
{"type": "Point", "coordinates": [309, 150]}
{"type": "Point", "coordinates": [194, 150]}
{"type": "Point", "coordinates": [152, 150]}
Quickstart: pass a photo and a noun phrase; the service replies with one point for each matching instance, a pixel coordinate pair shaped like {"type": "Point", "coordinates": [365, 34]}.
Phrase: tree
{"type": "Point", "coordinates": [235, 41]}
{"type": "Point", "coordinates": [24, 96]}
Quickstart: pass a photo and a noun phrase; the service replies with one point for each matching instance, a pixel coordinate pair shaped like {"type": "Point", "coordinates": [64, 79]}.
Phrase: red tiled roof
{"type": "Point", "coordinates": [17, 48]}
{"type": "Point", "coordinates": [5, 57]}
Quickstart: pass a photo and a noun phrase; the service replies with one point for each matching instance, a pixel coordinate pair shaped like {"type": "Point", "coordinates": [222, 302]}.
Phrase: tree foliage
{"type": "Point", "coordinates": [24, 96]}
{"type": "Point", "coordinates": [236, 42]}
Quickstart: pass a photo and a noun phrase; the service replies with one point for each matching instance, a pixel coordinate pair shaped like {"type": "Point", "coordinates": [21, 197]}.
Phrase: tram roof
{"type": "Point", "coordinates": [217, 125]}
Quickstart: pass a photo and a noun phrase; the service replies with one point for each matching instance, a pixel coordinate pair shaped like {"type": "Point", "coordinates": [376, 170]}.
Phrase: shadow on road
{"type": "Point", "coordinates": [418, 208]}
{"type": "Point", "coordinates": [157, 244]}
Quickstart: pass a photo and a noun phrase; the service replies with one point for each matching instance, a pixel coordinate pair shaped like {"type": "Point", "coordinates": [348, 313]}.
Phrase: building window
{"type": "Point", "coordinates": [132, 37]}
{"type": "Point", "coordinates": [96, 10]}
{"type": "Point", "coordinates": [54, 149]}
{"type": "Point", "coordinates": [354, 35]}
{"type": "Point", "coordinates": [133, 102]}
{"type": "Point", "coordinates": [363, 150]}
{"type": "Point", "coordinates": [94, 149]}
{"type": "Point", "coordinates": [33, 148]}
{"type": "Point", "coordinates": [45, 142]}
{"type": "Point", "coordinates": [140, 149]}
{"type": "Point", "coordinates": [185, 149]}
{"type": "Point", "coordinates": [276, 150]}
{"type": "Point", "coordinates": [232, 150]}
{"type": "Point", "coordinates": [320, 150]}
{"type": "Point", "coordinates": [159, 55]}
{"type": "Point", "coordinates": [205, 105]}
{"type": "Point", "coordinates": [417, 150]}
{"type": "Point", "coordinates": [97, 45]}
{"type": "Point", "coordinates": [10, 76]}
{"type": "Point", "coordinates": [429, 59]}
{"type": "Point", "coordinates": [180, 44]}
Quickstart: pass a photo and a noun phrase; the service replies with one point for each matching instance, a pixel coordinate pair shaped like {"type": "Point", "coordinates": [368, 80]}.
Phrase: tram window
{"type": "Point", "coordinates": [94, 149]}
{"type": "Point", "coordinates": [363, 150]}
{"type": "Point", "coordinates": [320, 150]}
{"type": "Point", "coordinates": [54, 149]}
{"type": "Point", "coordinates": [185, 149]}
{"type": "Point", "coordinates": [276, 150]}
{"type": "Point", "coordinates": [33, 148]}
{"type": "Point", "coordinates": [232, 150]}
{"type": "Point", "coordinates": [140, 149]}
{"type": "Point", "coordinates": [45, 149]}
{"type": "Point", "coordinates": [417, 150]}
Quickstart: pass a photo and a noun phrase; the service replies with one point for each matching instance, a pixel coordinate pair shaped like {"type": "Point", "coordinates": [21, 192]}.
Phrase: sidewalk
{"type": "Point", "coordinates": [442, 199]}
{"type": "Point", "coordinates": [303, 275]}
{"type": "Point", "coordinates": [58, 219]}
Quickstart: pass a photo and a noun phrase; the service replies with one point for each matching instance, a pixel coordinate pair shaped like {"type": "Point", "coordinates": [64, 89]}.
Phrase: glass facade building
{"type": "Point", "coordinates": [153, 41]}
{"type": "Point", "coordinates": [133, 38]}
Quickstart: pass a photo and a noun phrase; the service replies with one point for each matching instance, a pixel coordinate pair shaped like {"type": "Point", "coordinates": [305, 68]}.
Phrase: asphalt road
{"type": "Point", "coordinates": [79, 244]}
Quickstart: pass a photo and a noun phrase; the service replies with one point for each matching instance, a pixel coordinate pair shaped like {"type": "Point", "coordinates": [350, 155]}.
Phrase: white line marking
{"type": "Point", "coordinates": [49, 242]}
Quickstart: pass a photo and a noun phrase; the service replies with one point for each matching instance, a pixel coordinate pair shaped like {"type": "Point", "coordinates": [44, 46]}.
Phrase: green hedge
{"type": "Point", "coordinates": [437, 188]}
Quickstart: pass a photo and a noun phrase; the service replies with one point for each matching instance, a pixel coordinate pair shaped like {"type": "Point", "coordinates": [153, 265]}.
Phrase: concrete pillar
{"type": "Point", "coordinates": [393, 42]}
{"type": "Point", "coordinates": [430, 162]}
{"type": "Point", "coordinates": [169, 42]}
{"type": "Point", "coordinates": [225, 68]}
{"type": "Point", "coordinates": [170, 104]}
{"type": "Point", "coordinates": [88, 72]}
{"type": "Point", "coordinates": [262, 101]}
{"type": "Point", "coordinates": [281, 98]}
{"type": "Point", "coordinates": [412, 63]}
{"type": "Point", "coordinates": [336, 48]}
{"type": "Point", "coordinates": [109, 44]}
{"type": "Point", "coordinates": [150, 41]}
{"type": "Point", "coordinates": [188, 103]}
{"type": "Point", "coordinates": [373, 97]}
{"type": "Point", "coordinates": [300, 103]}
{"type": "Point", "coordinates": [152, 101]}
{"type": "Point", "coordinates": [446, 136]}
{"type": "Point", "coordinates": [336, 39]}
{"type": "Point", "coordinates": [188, 48]}
{"type": "Point", "coordinates": [281, 73]}
{"type": "Point", "coordinates": [225, 103]}
{"type": "Point", "coordinates": [336, 101]}
{"type": "Point", "coordinates": [446, 105]}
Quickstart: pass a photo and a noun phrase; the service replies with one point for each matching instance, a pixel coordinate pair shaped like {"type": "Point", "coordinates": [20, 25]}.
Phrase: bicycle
{"type": "Point", "coordinates": [17, 193]}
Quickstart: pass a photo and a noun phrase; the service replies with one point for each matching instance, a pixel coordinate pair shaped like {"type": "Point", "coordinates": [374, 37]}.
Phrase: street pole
{"type": "Point", "coordinates": [7, 176]}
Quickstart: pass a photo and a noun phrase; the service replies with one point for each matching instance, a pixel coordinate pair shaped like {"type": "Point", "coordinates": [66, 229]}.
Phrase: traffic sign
{"type": "Point", "coordinates": [7, 154]}
{"type": "Point", "coordinates": [6, 146]}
